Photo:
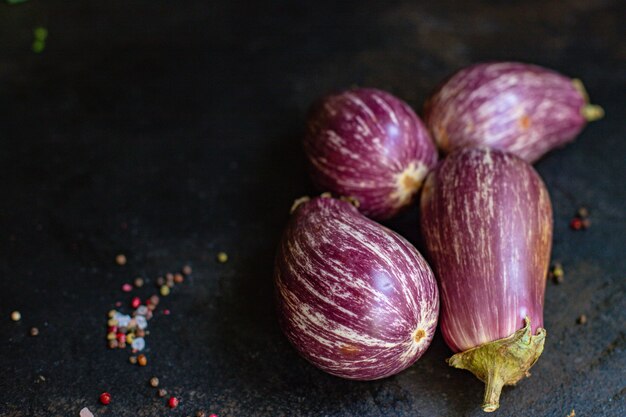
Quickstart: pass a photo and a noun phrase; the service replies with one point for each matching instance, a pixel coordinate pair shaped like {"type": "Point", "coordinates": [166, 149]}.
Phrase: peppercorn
{"type": "Point", "coordinates": [34, 331]}
{"type": "Point", "coordinates": [557, 273]}
{"type": "Point", "coordinates": [132, 359]}
{"type": "Point", "coordinates": [576, 224]}
{"type": "Point", "coordinates": [165, 290]}
{"type": "Point", "coordinates": [105, 398]}
{"type": "Point", "coordinates": [187, 270]}
{"type": "Point", "coordinates": [154, 382]}
{"type": "Point", "coordinates": [120, 259]}
{"type": "Point", "coordinates": [127, 287]}
{"type": "Point", "coordinates": [582, 212]}
{"type": "Point", "coordinates": [222, 257]}
{"type": "Point", "coordinates": [142, 360]}
{"type": "Point", "coordinates": [16, 316]}
{"type": "Point", "coordinates": [172, 402]}
{"type": "Point", "coordinates": [586, 223]}
{"type": "Point", "coordinates": [113, 344]}
{"type": "Point", "coordinates": [178, 278]}
{"type": "Point", "coordinates": [112, 322]}
{"type": "Point", "coordinates": [138, 282]}
{"type": "Point", "coordinates": [111, 313]}
{"type": "Point", "coordinates": [111, 336]}
{"type": "Point", "coordinates": [154, 299]}
{"type": "Point", "coordinates": [161, 392]}
{"type": "Point", "coordinates": [582, 319]}
{"type": "Point", "coordinates": [213, 415]}
{"type": "Point", "coordinates": [200, 414]}
{"type": "Point", "coordinates": [136, 302]}
{"type": "Point", "coordinates": [160, 281]}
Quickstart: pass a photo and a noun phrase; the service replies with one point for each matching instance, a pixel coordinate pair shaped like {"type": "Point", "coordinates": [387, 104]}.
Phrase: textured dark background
{"type": "Point", "coordinates": [183, 121]}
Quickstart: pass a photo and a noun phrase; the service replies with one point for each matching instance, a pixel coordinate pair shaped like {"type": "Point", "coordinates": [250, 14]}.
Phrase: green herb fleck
{"type": "Point", "coordinates": [40, 35]}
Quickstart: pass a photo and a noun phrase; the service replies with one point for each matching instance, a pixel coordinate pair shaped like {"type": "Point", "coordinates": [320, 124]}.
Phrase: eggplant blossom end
{"type": "Point", "coordinates": [502, 362]}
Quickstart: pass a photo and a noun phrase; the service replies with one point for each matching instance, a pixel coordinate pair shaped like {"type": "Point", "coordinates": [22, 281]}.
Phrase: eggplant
{"type": "Point", "coordinates": [354, 298]}
{"type": "Point", "coordinates": [523, 109]}
{"type": "Point", "coordinates": [486, 220]}
{"type": "Point", "coordinates": [369, 145]}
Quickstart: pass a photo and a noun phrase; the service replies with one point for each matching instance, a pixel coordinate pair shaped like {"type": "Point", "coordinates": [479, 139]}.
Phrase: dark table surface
{"type": "Point", "coordinates": [169, 131]}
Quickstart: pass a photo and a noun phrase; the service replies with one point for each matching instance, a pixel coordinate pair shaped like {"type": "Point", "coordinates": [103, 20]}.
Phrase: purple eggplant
{"type": "Point", "coordinates": [354, 298]}
{"type": "Point", "coordinates": [369, 145]}
{"type": "Point", "coordinates": [519, 108]}
{"type": "Point", "coordinates": [486, 218]}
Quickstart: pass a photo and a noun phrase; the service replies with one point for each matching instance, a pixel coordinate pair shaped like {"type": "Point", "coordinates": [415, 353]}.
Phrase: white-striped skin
{"type": "Point", "coordinates": [355, 298]}
{"type": "Point", "coordinates": [370, 145]}
{"type": "Point", "coordinates": [486, 218]}
{"type": "Point", "coordinates": [519, 108]}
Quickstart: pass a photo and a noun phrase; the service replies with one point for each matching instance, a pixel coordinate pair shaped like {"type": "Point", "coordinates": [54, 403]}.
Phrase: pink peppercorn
{"type": "Point", "coordinates": [166, 312]}
{"type": "Point", "coordinates": [172, 402]}
{"type": "Point", "coordinates": [136, 302]}
{"type": "Point", "coordinates": [105, 398]}
{"type": "Point", "coordinates": [127, 287]}
{"type": "Point", "coordinates": [576, 223]}
{"type": "Point", "coordinates": [121, 338]}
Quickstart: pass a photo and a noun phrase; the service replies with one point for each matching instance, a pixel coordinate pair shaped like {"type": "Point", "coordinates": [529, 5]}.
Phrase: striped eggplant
{"type": "Point", "coordinates": [519, 108]}
{"type": "Point", "coordinates": [354, 298]}
{"type": "Point", "coordinates": [369, 145]}
{"type": "Point", "coordinates": [486, 218]}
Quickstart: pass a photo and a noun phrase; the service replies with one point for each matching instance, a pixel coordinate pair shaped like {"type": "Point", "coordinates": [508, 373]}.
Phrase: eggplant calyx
{"type": "Point", "coordinates": [502, 362]}
{"type": "Point", "coordinates": [591, 112]}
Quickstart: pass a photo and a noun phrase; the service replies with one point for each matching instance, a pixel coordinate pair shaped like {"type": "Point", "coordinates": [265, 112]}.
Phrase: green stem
{"type": "Point", "coordinates": [502, 362]}
{"type": "Point", "coordinates": [493, 388]}
{"type": "Point", "coordinates": [591, 112]}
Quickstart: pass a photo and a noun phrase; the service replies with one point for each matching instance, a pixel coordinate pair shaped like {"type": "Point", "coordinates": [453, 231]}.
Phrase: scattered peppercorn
{"type": "Point", "coordinates": [132, 359]}
{"type": "Point", "coordinates": [154, 382]}
{"type": "Point", "coordinates": [576, 224]}
{"type": "Point", "coordinates": [582, 319]}
{"type": "Point", "coordinates": [154, 299]}
{"type": "Point", "coordinates": [16, 316]}
{"type": "Point", "coordinates": [127, 287]}
{"type": "Point", "coordinates": [161, 392]}
{"type": "Point", "coordinates": [172, 402]}
{"type": "Point", "coordinates": [586, 223]}
{"type": "Point", "coordinates": [556, 273]}
{"type": "Point", "coordinates": [187, 270]}
{"type": "Point", "coordinates": [113, 344]}
{"type": "Point", "coordinates": [120, 259]}
{"type": "Point", "coordinates": [136, 302]}
{"type": "Point", "coordinates": [105, 398]}
{"type": "Point", "coordinates": [200, 414]}
{"type": "Point", "coordinates": [138, 282]}
{"type": "Point", "coordinates": [34, 331]}
{"type": "Point", "coordinates": [213, 415]}
{"type": "Point", "coordinates": [165, 290]}
{"type": "Point", "coordinates": [222, 257]}
{"type": "Point", "coordinates": [178, 278]}
{"type": "Point", "coordinates": [142, 360]}
{"type": "Point", "coordinates": [582, 212]}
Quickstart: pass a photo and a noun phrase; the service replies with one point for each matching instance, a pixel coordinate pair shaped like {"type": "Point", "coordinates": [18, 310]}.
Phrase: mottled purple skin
{"type": "Point", "coordinates": [370, 145]}
{"type": "Point", "coordinates": [519, 108]}
{"type": "Point", "coordinates": [486, 219]}
{"type": "Point", "coordinates": [355, 298]}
